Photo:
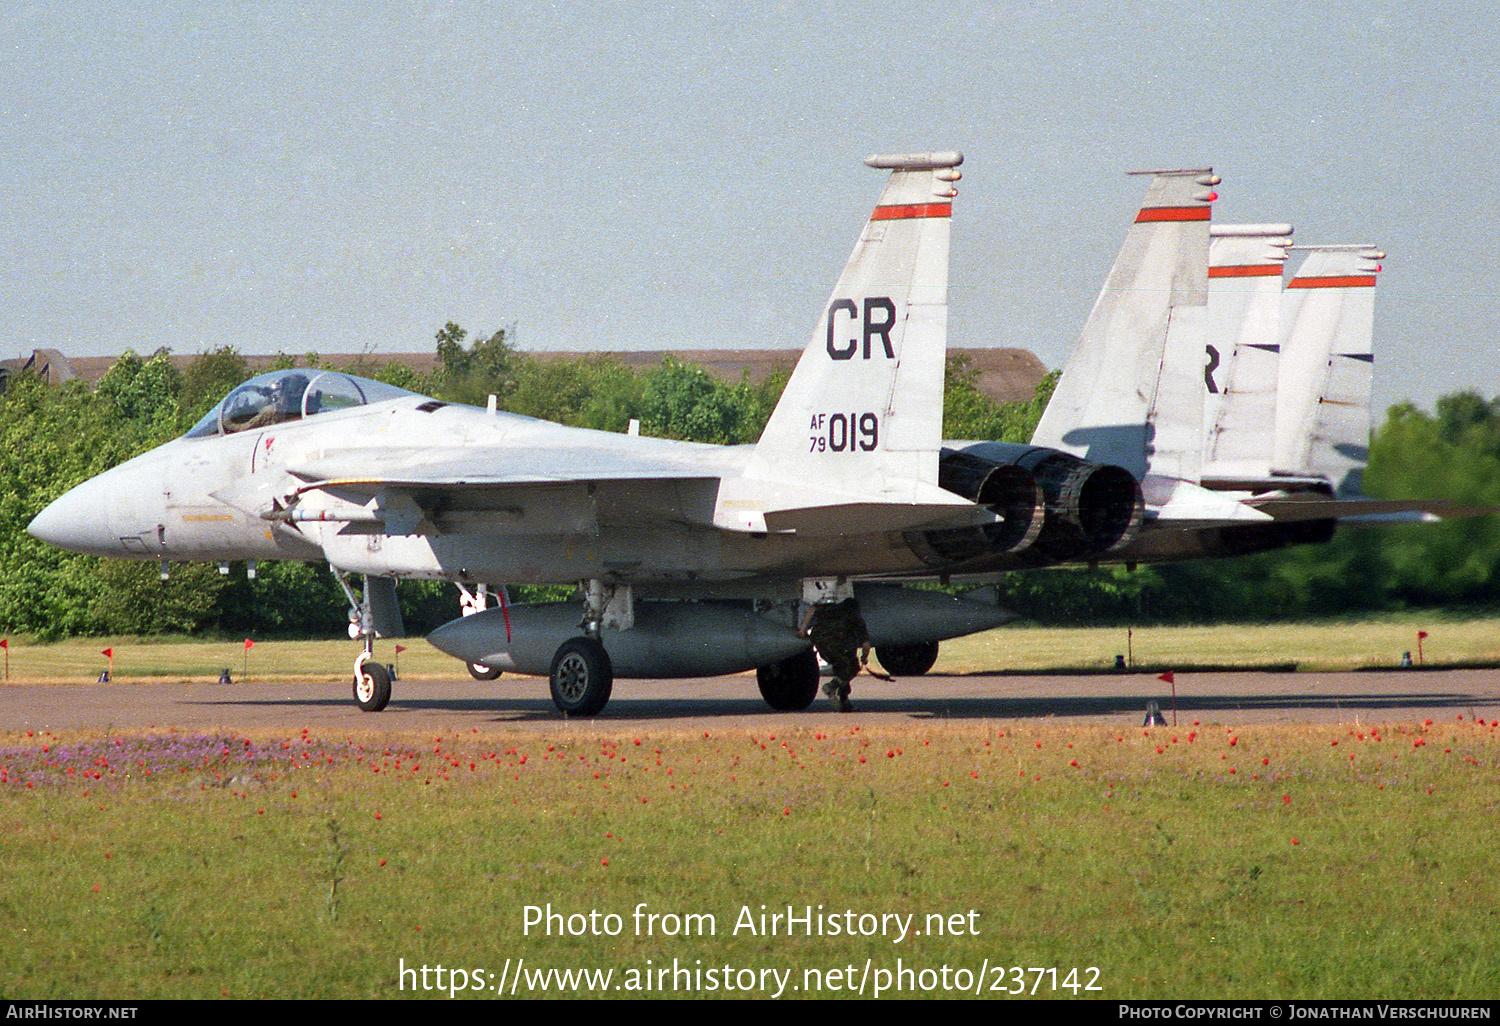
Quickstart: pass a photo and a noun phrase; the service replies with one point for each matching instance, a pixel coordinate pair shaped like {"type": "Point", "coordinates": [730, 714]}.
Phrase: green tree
{"type": "Point", "coordinates": [470, 375]}
{"type": "Point", "coordinates": [145, 392]}
{"type": "Point", "coordinates": [969, 414]}
{"type": "Point", "coordinates": [684, 401]}
{"type": "Point", "coordinates": [131, 597]}
{"type": "Point", "coordinates": [51, 438]}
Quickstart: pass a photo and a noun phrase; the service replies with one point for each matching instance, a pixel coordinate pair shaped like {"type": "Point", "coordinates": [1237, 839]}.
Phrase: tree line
{"type": "Point", "coordinates": [56, 436]}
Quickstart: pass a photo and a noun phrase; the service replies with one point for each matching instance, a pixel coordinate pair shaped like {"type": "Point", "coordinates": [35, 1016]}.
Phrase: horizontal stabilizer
{"type": "Point", "coordinates": [1182, 504]}
{"type": "Point", "coordinates": [856, 517]}
{"type": "Point", "coordinates": [1386, 510]}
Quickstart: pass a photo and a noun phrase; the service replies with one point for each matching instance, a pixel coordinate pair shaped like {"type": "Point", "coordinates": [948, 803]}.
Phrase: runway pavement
{"type": "Point", "coordinates": [456, 704]}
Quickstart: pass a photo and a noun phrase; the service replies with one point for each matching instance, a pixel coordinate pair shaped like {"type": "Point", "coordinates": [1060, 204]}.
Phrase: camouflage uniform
{"type": "Point", "coordinates": [838, 632]}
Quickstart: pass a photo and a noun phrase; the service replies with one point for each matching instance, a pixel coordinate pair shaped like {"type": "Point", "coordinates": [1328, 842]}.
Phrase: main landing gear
{"type": "Point", "coordinates": [582, 675]}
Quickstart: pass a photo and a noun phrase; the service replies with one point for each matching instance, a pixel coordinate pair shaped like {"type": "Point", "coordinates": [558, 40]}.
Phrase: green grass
{"type": "Point", "coordinates": [1200, 861]}
{"type": "Point", "coordinates": [1325, 645]}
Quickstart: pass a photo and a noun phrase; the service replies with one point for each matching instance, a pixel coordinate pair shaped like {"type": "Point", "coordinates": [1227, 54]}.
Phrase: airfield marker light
{"type": "Point", "coordinates": [1154, 718]}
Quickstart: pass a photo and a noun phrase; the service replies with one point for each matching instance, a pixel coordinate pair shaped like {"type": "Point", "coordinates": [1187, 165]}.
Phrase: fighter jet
{"type": "Point", "coordinates": [693, 559]}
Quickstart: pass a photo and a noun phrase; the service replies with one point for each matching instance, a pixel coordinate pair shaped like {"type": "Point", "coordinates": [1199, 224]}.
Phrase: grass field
{"type": "Point", "coordinates": [1203, 861]}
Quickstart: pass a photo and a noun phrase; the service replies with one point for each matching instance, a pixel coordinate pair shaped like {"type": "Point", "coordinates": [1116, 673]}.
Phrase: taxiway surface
{"type": "Point", "coordinates": [523, 703]}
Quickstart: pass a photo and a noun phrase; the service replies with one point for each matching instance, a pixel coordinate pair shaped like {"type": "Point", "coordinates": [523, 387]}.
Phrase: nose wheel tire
{"type": "Point", "coordinates": [582, 677]}
{"type": "Point", "coordinates": [372, 686]}
{"type": "Point", "coordinates": [479, 671]}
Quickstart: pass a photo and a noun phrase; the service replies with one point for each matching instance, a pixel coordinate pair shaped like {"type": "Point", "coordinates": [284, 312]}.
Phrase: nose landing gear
{"type": "Point", "coordinates": [374, 615]}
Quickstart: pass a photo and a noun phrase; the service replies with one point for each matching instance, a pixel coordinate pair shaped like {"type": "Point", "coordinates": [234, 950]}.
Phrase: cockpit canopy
{"type": "Point", "coordinates": [287, 395]}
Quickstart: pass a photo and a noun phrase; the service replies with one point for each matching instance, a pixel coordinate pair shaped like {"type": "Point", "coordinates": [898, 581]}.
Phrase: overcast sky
{"type": "Point", "coordinates": [345, 177]}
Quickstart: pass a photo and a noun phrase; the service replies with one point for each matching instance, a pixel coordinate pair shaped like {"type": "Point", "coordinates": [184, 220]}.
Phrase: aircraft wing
{"type": "Point", "coordinates": [517, 490]}
{"type": "Point", "coordinates": [515, 478]}
{"type": "Point", "coordinates": [460, 468]}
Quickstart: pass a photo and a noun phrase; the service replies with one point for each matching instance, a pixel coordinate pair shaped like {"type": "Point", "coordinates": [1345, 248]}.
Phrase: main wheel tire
{"type": "Point", "coordinates": [908, 660]}
{"type": "Point", "coordinates": [372, 686]}
{"type": "Point", "coordinates": [582, 677]}
{"type": "Point", "coordinates": [479, 671]}
{"type": "Point", "coordinates": [790, 685]}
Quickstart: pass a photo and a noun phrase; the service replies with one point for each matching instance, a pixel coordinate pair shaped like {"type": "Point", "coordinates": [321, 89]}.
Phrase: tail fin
{"type": "Point", "coordinates": [1244, 316]}
{"type": "Point", "coordinates": [860, 420]}
{"type": "Point", "coordinates": [1132, 392]}
{"type": "Point", "coordinates": [1327, 353]}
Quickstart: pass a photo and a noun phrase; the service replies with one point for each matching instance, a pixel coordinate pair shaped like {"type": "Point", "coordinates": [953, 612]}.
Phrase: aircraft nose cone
{"type": "Point", "coordinates": [77, 521]}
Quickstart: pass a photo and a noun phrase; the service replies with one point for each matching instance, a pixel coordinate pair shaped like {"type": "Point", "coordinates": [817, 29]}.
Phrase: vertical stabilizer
{"type": "Point", "coordinates": [860, 420]}
{"type": "Point", "coordinates": [1132, 392]}
{"type": "Point", "coordinates": [1327, 353]}
{"type": "Point", "coordinates": [1243, 348]}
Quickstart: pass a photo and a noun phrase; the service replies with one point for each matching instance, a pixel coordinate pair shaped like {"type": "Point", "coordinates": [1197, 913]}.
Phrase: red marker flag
{"type": "Point", "coordinates": [1169, 678]}
{"type": "Point", "coordinates": [249, 644]}
{"type": "Point", "coordinates": [108, 653]}
{"type": "Point", "coordinates": [400, 649]}
{"type": "Point", "coordinates": [1421, 635]}
{"type": "Point", "coordinates": [4, 643]}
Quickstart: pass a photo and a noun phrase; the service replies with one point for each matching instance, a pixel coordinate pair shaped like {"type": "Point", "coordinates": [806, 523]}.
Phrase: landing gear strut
{"type": "Point", "coordinates": [372, 681]}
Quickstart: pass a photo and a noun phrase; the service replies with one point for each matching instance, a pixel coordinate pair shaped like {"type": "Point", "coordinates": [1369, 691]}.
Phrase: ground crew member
{"type": "Point", "coordinates": [839, 634]}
